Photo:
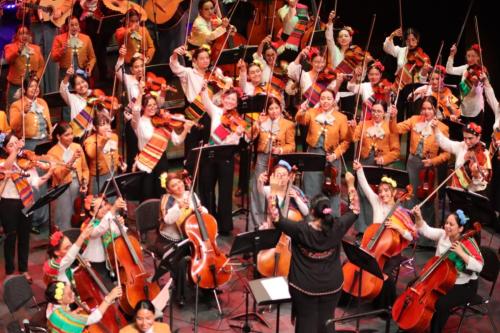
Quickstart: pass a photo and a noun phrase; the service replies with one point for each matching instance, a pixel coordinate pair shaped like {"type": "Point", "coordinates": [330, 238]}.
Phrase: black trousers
{"type": "Point", "coordinates": [312, 312]}
{"type": "Point", "coordinates": [477, 119]}
{"type": "Point", "coordinates": [178, 266]}
{"type": "Point", "coordinates": [151, 182]}
{"type": "Point", "coordinates": [218, 172]}
{"type": "Point", "coordinates": [104, 274]}
{"type": "Point", "coordinates": [17, 231]}
{"type": "Point", "coordinates": [460, 294]}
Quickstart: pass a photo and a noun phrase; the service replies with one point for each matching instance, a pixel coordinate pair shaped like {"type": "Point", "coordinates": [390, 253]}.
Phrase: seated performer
{"type": "Point", "coordinates": [208, 25]}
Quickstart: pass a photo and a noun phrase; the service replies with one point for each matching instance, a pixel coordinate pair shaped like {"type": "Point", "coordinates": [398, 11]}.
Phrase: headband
{"type": "Point", "coordinates": [163, 180]}
{"type": "Point", "coordinates": [390, 181]}
{"type": "Point", "coordinates": [473, 128]}
{"type": "Point", "coordinates": [285, 165]}
{"type": "Point", "coordinates": [56, 237]}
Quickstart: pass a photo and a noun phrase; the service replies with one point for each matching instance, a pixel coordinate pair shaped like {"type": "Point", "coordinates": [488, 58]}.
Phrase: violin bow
{"type": "Point", "coordinates": [400, 7]}
{"type": "Point", "coordinates": [315, 23]}
{"type": "Point", "coordinates": [476, 25]}
{"type": "Point", "coordinates": [274, 15]}
{"type": "Point", "coordinates": [358, 95]}
{"type": "Point", "coordinates": [335, 6]}
{"type": "Point", "coordinates": [464, 23]}
{"type": "Point", "coordinates": [196, 170]}
{"type": "Point", "coordinates": [250, 35]}
{"type": "Point", "coordinates": [187, 24]}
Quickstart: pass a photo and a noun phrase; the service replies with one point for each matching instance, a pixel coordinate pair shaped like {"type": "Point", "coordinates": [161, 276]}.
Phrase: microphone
{"type": "Point", "coordinates": [26, 325]}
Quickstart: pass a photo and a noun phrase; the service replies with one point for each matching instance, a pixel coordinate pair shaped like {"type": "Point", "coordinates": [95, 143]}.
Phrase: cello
{"type": "Point", "coordinates": [414, 308]}
{"type": "Point", "coordinates": [91, 292]}
{"type": "Point", "coordinates": [276, 261]}
{"type": "Point", "coordinates": [266, 22]}
{"type": "Point", "coordinates": [382, 243]}
{"type": "Point", "coordinates": [426, 177]}
{"type": "Point", "coordinates": [130, 270]}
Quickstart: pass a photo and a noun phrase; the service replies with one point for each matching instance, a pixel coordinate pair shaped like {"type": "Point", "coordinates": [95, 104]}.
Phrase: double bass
{"type": "Point", "coordinates": [276, 261]}
{"type": "Point", "coordinates": [209, 266]}
{"type": "Point", "coordinates": [382, 243]}
{"type": "Point", "coordinates": [130, 270]}
{"type": "Point", "coordinates": [413, 310]}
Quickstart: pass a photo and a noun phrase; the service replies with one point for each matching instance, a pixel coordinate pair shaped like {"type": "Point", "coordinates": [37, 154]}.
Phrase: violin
{"type": "Point", "coordinates": [447, 103]}
{"type": "Point", "coordinates": [276, 261]}
{"type": "Point", "coordinates": [382, 243]}
{"type": "Point", "coordinates": [328, 74]}
{"type": "Point", "coordinates": [209, 268]}
{"type": "Point", "coordinates": [90, 292]}
{"type": "Point", "coordinates": [232, 120]}
{"type": "Point", "coordinates": [79, 208]}
{"type": "Point", "coordinates": [417, 57]}
{"type": "Point", "coordinates": [426, 177]}
{"type": "Point", "coordinates": [155, 83]}
{"type": "Point", "coordinates": [28, 159]}
{"type": "Point", "coordinates": [99, 99]}
{"type": "Point", "coordinates": [414, 308]}
{"type": "Point", "coordinates": [330, 186]}
{"type": "Point", "coordinates": [131, 272]}
{"type": "Point", "coordinates": [266, 20]}
{"type": "Point", "coordinates": [166, 119]}
{"type": "Point", "coordinates": [353, 57]}
{"type": "Point", "coordinates": [477, 155]}
{"type": "Point", "coordinates": [381, 89]}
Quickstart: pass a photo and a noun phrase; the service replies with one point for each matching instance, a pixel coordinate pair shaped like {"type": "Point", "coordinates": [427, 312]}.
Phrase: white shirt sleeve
{"type": "Point", "coordinates": [294, 71]}
{"type": "Point", "coordinates": [450, 69]}
{"type": "Point", "coordinates": [94, 317]}
{"type": "Point", "coordinates": [447, 144]}
{"type": "Point", "coordinates": [367, 190]}
{"type": "Point", "coordinates": [432, 233]}
{"type": "Point", "coordinates": [390, 48]}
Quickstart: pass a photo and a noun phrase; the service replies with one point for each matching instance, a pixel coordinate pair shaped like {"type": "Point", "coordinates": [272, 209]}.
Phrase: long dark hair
{"type": "Point", "coordinates": [3, 151]}
{"type": "Point", "coordinates": [60, 129]}
{"type": "Point", "coordinates": [319, 204]}
{"type": "Point", "coordinates": [144, 304]}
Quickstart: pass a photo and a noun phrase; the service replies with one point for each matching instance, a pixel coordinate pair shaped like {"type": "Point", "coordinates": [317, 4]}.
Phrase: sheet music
{"type": "Point", "coordinates": [276, 288]}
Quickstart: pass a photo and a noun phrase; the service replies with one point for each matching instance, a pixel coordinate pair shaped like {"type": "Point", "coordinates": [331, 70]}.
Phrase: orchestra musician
{"type": "Point", "coordinates": [424, 149]}
{"type": "Point", "coordinates": [73, 48]}
{"type": "Point", "coordinates": [16, 193]}
{"type": "Point", "coordinates": [465, 256]}
{"type": "Point", "coordinates": [175, 206]}
{"type": "Point", "coordinates": [23, 58]}
{"type": "Point", "coordinates": [275, 136]}
{"type": "Point", "coordinates": [471, 86]}
{"type": "Point", "coordinates": [144, 320]}
{"type": "Point", "coordinates": [63, 319]}
{"type": "Point", "coordinates": [327, 134]}
{"type": "Point", "coordinates": [315, 277]}
{"type": "Point", "coordinates": [294, 17]}
{"type": "Point", "coordinates": [266, 55]}
{"type": "Point", "coordinates": [379, 147]}
{"type": "Point", "coordinates": [136, 38]}
{"type": "Point", "coordinates": [71, 168]}
{"type": "Point", "coordinates": [208, 25]}
{"type": "Point", "coordinates": [472, 158]}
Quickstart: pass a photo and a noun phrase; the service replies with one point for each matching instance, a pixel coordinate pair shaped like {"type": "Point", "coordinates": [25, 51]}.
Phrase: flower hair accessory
{"type": "Point", "coordinates": [206, 47]}
{"type": "Point", "coordinates": [441, 70]}
{"type": "Point", "coordinates": [56, 237]}
{"type": "Point", "coordinates": [476, 48]}
{"type": "Point", "coordinates": [313, 51]}
{"type": "Point", "coordinates": [326, 211]}
{"type": "Point", "coordinates": [349, 29]}
{"type": "Point", "coordinates": [473, 128]}
{"type": "Point", "coordinates": [163, 180]}
{"type": "Point", "coordinates": [285, 165]}
{"type": "Point", "coordinates": [58, 293]}
{"type": "Point", "coordinates": [378, 65]}
{"type": "Point", "coordinates": [462, 219]}
{"type": "Point", "coordinates": [390, 181]}
{"type": "Point", "coordinates": [2, 139]}
{"type": "Point", "coordinates": [258, 63]}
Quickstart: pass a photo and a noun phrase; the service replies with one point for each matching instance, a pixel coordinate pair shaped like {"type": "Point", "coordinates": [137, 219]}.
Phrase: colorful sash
{"type": "Point", "coordinates": [313, 93]}
{"type": "Point", "coordinates": [61, 321]}
{"type": "Point", "coordinates": [465, 86]}
{"type": "Point", "coordinates": [219, 134]}
{"type": "Point", "coordinates": [80, 123]}
{"type": "Point", "coordinates": [153, 150]}
{"type": "Point", "coordinates": [24, 189]}
{"type": "Point", "coordinates": [293, 41]}
{"type": "Point", "coordinates": [470, 247]}
{"type": "Point", "coordinates": [51, 269]}
{"type": "Point", "coordinates": [195, 110]}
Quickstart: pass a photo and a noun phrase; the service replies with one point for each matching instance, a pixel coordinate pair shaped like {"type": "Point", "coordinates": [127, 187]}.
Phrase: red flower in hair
{"type": "Point", "coordinates": [378, 65]}
{"type": "Point", "coordinates": [55, 239]}
{"type": "Point", "coordinates": [475, 47]}
{"type": "Point", "coordinates": [313, 51]}
{"type": "Point", "coordinates": [440, 70]}
{"type": "Point", "coordinates": [474, 128]}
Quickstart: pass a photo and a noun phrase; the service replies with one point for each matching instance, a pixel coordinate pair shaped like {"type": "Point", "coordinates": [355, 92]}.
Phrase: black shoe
{"type": "Point", "coordinates": [35, 230]}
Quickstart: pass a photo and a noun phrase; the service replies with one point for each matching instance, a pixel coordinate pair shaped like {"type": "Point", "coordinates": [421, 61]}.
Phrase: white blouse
{"type": "Point", "coordinates": [365, 89]}
{"type": "Point", "coordinates": [10, 190]}
{"type": "Point", "coordinates": [306, 80]}
{"type": "Point", "coordinates": [76, 102]}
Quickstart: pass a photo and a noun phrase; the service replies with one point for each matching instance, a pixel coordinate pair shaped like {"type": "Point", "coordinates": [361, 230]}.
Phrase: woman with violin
{"type": "Point", "coordinates": [471, 85]}
{"type": "Point", "coordinates": [175, 207]}
{"type": "Point", "coordinates": [266, 55]}
{"type": "Point", "coordinates": [375, 89]}
{"type": "Point", "coordinates": [208, 26]}
{"type": "Point", "coordinates": [275, 135]}
{"type": "Point", "coordinates": [103, 157]}
{"type": "Point", "coordinates": [464, 255]}
{"type": "Point", "coordinates": [30, 116]}
{"type": "Point", "coordinates": [72, 168]}
{"type": "Point", "coordinates": [315, 278]}
{"type": "Point", "coordinates": [144, 320]}
{"type": "Point", "coordinates": [382, 203]}
{"type": "Point", "coordinates": [18, 178]}
{"type": "Point", "coordinates": [378, 147]}
{"type": "Point", "coordinates": [154, 128]}
{"type": "Point", "coordinates": [472, 159]}
{"type": "Point", "coordinates": [136, 38]}
{"type": "Point", "coordinates": [328, 134]}
{"type": "Point", "coordinates": [227, 127]}
{"type": "Point", "coordinates": [64, 319]}
{"type": "Point", "coordinates": [424, 149]}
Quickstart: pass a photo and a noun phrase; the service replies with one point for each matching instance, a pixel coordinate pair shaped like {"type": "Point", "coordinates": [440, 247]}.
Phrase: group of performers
{"type": "Point", "coordinates": [302, 108]}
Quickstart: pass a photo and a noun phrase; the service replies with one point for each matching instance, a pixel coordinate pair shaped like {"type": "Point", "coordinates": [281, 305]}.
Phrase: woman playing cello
{"type": "Point", "coordinates": [208, 26]}
{"type": "Point", "coordinates": [466, 257]}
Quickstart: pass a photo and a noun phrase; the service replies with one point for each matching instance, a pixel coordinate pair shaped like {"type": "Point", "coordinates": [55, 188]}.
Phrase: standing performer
{"type": "Point", "coordinates": [266, 55]}
{"type": "Point", "coordinates": [138, 40]}
{"type": "Point", "coordinates": [379, 147]}
{"type": "Point", "coordinates": [23, 58]}
{"type": "Point", "coordinates": [16, 195]}
{"type": "Point", "coordinates": [315, 278]}
{"type": "Point", "coordinates": [471, 86]}
{"type": "Point", "coordinates": [424, 149]}
{"type": "Point", "coordinates": [73, 48]}
{"type": "Point", "coordinates": [465, 256]}
{"type": "Point", "coordinates": [328, 134]}
{"type": "Point", "coordinates": [73, 169]}
{"type": "Point", "coordinates": [275, 136]}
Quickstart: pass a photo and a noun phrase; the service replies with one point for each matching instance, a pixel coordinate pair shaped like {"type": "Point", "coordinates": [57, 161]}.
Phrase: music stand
{"type": "Point", "coordinates": [375, 173]}
{"type": "Point", "coordinates": [232, 56]}
{"type": "Point", "coordinates": [251, 243]}
{"type": "Point", "coordinates": [43, 148]}
{"type": "Point", "coordinates": [128, 184]}
{"type": "Point", "coordinates": [366, 262]}
{"type": "Point", "coordinates": [210, 153]}
{"type": "Point", "coordinates": [269, 291]}
{"type": "Point", "coordinates": [319, 38]}
{"type": "Point", "coordinates": [252, 104]}
{"type": "Point", "coordinates": [54, 99]}
{"type": "Point", "coordinates": [305, 161]}
{"type": "Point", "coordinates": [454, 128]}
{"type": "Point", "coordinates": [474, 205]}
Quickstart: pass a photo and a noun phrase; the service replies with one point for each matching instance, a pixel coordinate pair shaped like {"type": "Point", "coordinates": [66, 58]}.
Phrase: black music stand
{"type": "Point", "coordinates": [54, 99]}
{"type": "Point", "coordinates": [455, 129]}
{"type": "Point", "coordinates": [366, 262]}
{"type": "Point", "coordinates": [232, 56]}
{"type": "Point", "coordinates": [271, 291]}
{"type": "Point", "coordinates": [43, 148]}
{"type": "Point", "coordinates": [474, 205]}
{"type": "Point", "coordinates": [319, 38]}
{"type": "Point", "coordinates": [251, 243]}
{"type": "Point", "coordinates": [375, 173]}
{"type": "Point", "coordinates": [305, 161]}
{"type": "Point", "coordinates": [252, 104]}
{"type": "Point", "coordinates": [128, 183]}
{"type": "Point", "coordinates": [214, 152]}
